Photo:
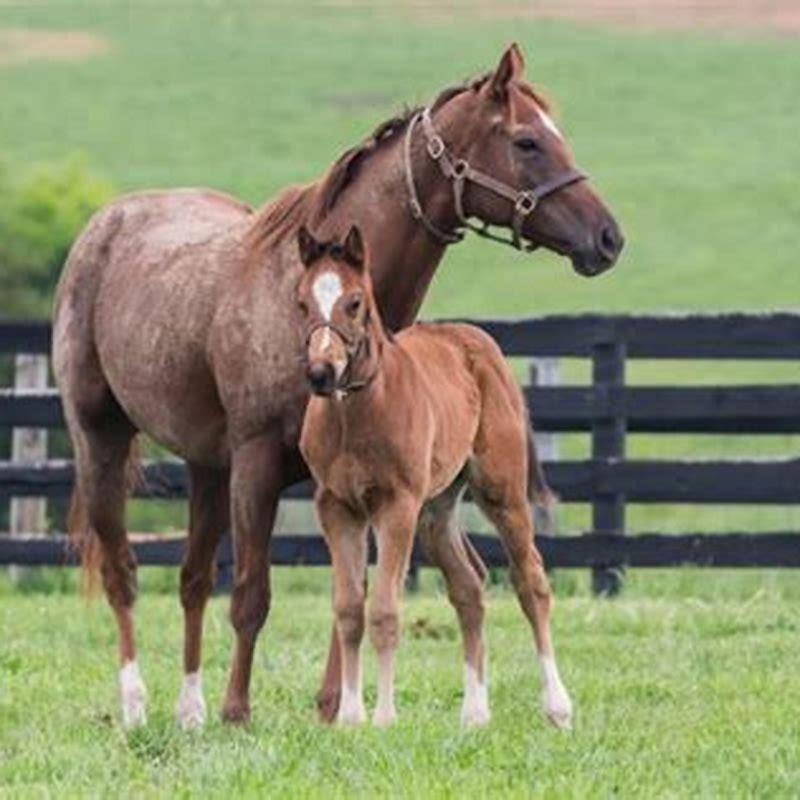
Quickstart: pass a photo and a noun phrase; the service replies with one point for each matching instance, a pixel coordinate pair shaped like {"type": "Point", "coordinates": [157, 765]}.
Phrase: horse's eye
{"type": "Point", "coordinates": [303, 308]}
{"type": "Point", "coordinates": [353, 307]}
{"type": "Point", "coordinates": [527, 144]}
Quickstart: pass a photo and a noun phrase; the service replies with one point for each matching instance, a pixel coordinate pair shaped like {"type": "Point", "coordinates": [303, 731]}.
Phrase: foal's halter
{"type": "Point", "coordinates": [459, 172]}
{"type": "Point", "coordinates": [354, 349]}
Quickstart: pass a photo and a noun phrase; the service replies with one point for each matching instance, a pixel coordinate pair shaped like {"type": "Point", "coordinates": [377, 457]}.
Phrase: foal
{"type": "Point", "coordinates": [395, 430]}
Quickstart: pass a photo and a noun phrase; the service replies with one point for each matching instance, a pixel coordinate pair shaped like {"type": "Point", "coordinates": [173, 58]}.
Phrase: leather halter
{"type": "Point", "coordinates": [353, 348]}
{"type": "Point", "coordinates": [459, 172]}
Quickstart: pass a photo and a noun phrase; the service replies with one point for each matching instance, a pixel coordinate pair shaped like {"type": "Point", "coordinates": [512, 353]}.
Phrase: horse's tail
{"type": "Point", "coordinates": [83, 537]}
{"type": "Point", "coordinates": [539, 493]}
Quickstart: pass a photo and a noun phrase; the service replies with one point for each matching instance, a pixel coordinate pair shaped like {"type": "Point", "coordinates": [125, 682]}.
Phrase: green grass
{"type": "Point", "coordinates": [686, 687]}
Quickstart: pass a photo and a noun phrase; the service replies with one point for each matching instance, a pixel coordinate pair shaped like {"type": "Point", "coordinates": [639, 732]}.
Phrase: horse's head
{"type": "Point", "coordinates": [500, 130]}
{"type": "Point", "coordinates": [335, 298]}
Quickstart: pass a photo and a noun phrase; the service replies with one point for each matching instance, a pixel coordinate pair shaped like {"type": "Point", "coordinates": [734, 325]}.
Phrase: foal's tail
{"type": "Point", "coordinates": [83, 537]}
{"type": "Point", "coordinates": [539, 493]}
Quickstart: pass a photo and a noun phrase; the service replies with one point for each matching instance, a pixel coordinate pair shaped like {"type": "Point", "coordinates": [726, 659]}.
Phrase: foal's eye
{"type": "Point", "coordinates": [303, 308]}
{"type": "Point", "coordinates": [353, 306]}
{"type": "Point", "coordinates": [527, 144]}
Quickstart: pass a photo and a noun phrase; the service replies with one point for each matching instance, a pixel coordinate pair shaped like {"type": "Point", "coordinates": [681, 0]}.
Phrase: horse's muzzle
{"type": "Point", "coordinates": [321, 378]}
{"type": "Point", "coordinates": [602, 253]}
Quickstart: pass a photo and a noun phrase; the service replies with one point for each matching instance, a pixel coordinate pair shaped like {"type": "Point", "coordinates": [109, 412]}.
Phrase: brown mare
{"type": "Point", "coordinates": [395, 431]}
{"type": "Point", "coordinates": [176, 316]}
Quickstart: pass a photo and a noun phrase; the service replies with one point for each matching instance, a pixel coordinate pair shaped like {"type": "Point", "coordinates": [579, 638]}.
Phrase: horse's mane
{"type": "Point", "coordinates": [310, 203]}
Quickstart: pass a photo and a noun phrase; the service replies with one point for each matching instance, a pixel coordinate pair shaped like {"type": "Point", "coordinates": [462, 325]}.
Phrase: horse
{"type": "Point", "coordinates": [175, 317]}
{"type": "Point", "coordinates": [396, 429]}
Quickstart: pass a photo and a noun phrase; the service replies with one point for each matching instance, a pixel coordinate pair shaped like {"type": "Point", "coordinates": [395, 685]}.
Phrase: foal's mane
{"type": "Point", "coordinates": [310, 203]}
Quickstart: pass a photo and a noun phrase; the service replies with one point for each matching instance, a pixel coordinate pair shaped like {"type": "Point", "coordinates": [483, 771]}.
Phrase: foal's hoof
{"type": "Point", "coordinates": [133, 697]}
{"type": "Point", "coordinates": [384, 717]}
{"type": "Point", "coordinates": [557, 708]}
{"type": "Point", "coordinates": [191, 709]}
{"type": "Point", "coordinates": [236, 713]}
{"type": "Point", "coordinates": [474, 716]}
{"type": "Point", "coordinates": [350, 717]}
{"type": "Point", "coordinates": [328, 706]}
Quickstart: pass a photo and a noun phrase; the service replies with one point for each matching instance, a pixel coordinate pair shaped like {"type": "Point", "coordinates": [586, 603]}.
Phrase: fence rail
{"type": "Point", "coordinates": [608, 409]}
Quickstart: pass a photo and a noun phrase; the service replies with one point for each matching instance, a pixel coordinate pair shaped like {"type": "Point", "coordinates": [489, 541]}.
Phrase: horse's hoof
{"type": "Point", "coordinates": [350, 717]}
{"type": "Point", "coordinates": [328, 707]}
{"type": "Point", "coordinates": [236, 713]}
{"type": "Point", "coordinates": [133, 696]}
{"type": "Point", "coordinates": [191, 709]}
{"type": "Point", "coordinates": [558, 709]}
{"type": "Point", "coordinates": [384, 717]}
{"type": "Point", "coordinates": [474, 717]}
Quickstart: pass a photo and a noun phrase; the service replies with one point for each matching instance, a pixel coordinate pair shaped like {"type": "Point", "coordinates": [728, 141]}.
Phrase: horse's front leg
{"type": "Point", "coordinates": [346, 536]}
{"type": "Point", "coordinates": [394, 533]}
{"type": "Point", "coordinates": [256, 480]}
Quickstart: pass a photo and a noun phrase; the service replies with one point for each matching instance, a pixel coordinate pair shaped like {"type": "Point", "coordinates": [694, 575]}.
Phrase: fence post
{"type": "Point", "coordinates": [28, 445]}
{"type": "Point", "coordinates": [545, 372]}
{"type": "Point", "coordinates": [608, 441]}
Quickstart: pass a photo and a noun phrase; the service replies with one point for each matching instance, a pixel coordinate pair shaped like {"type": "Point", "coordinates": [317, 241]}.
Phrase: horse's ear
{"type": "Point", "coordinates": [511, 67]}
{"type": "Point", "coordinates": [354, 251]}
{"type": "Point", "coordinates": [309, 247]}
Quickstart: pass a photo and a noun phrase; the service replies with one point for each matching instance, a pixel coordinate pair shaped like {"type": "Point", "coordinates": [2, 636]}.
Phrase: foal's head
{"type": "Point", "coordinates": [502, 127]}
{"type": "Point", "coordinates": [335, 298]}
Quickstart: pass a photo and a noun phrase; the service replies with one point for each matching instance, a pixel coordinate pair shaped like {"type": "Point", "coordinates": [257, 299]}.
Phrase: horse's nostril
{"type": "Point", "coordinates": [610, 241]}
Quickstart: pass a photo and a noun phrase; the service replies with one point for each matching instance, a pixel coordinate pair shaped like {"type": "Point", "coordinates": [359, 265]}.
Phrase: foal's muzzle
{"type": "Point", "coordinates": [321, 378]}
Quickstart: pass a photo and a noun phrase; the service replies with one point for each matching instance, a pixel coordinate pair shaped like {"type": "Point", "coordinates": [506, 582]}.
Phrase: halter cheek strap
{"type": "Point", "coordinates": [459, 172]}
{"type": "Point", "coordinates": [353, 348]}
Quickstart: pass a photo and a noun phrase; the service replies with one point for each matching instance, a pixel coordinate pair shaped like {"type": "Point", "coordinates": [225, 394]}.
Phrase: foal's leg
{"type": "Point", "coordinates": [445, 547]}
{"type": "Point", "coordinates": [209, 517]}
{"type": "Point", "coordinates": [394, 533]}
{"type": "Point", "coordinates": [101, 460]}
{"type": "Point", "coordinates": [346, 535]}
{"type": "Point", "coordinates": [256, 475]}
{"type": "Point", "coordinates": [503, 498]}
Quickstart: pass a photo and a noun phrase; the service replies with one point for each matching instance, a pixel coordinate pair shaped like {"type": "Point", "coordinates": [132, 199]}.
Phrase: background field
{"type": "Point", "coordinates": [687, 119]}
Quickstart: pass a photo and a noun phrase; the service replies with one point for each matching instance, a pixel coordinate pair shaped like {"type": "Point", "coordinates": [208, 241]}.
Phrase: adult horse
{"type": "Point", "coordinates": [175, 316]}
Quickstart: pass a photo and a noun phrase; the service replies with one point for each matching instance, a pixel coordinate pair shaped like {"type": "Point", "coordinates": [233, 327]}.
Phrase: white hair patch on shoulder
{"type": "Point", "coordinates": [327, 290]}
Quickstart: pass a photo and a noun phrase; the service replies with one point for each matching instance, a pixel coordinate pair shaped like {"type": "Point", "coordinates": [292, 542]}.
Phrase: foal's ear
{"type": "Point", "coordinates": [354, 251]}
{"type": "Point", "coordinates": [310, 248]}
{"type": "Point", "coordinates": [510, 68]}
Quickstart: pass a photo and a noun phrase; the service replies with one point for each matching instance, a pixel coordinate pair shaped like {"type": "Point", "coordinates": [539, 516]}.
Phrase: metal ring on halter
{"type": "Point", "coordinates": [460, 169]}
{"type": "Point", "coordinates": [435, 147]}
{"type": "Point", "coordinates": [525, 203]}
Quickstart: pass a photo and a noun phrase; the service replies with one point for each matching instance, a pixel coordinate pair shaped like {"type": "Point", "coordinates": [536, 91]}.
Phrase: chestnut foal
{"type": "Point", "coordinates": [395, 431]}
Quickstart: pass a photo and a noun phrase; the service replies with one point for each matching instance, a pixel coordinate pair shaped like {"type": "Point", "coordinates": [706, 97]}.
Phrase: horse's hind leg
{"type": "Point", "coordinates": [445, 546]}
{"type": "Point", "coordinates": [102, 453]}
{"type": "Point", "coordinates": [498, 482]}
{"type": "Point", "coordinates": [209, 517]}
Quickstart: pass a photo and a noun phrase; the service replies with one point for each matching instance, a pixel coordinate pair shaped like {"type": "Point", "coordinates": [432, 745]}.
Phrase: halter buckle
{"type": "Point", "coordinates": [460, 169]}
{"type": "Point", "coordinates": [525, 203]}
{"type": "Point", "coordinates": [435, 147]}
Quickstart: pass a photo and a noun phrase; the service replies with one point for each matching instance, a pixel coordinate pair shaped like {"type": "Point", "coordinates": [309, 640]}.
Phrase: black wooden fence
{"type": "Point", "coordinates": [607, 409]}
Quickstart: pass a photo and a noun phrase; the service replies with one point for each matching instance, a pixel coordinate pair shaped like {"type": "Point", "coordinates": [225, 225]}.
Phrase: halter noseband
{"type": "Point", "coordinates": [353, 350]}
{"type": "Point", "coordinates": [459, 171]}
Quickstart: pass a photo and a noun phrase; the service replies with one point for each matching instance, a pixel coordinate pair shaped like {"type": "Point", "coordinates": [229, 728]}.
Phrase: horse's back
{"type": "Point", "coordinates": [135, 303]}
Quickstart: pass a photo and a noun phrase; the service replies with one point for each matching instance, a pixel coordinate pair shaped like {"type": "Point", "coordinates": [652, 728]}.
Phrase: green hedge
{"type": "Point", "coordinates": [42, 209]}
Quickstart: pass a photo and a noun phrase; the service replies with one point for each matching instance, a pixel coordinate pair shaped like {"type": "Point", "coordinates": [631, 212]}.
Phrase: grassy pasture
{"type": "Point", "coordinates": [687, 685]}
{"type": "Point", "coordinates": [685, 688]}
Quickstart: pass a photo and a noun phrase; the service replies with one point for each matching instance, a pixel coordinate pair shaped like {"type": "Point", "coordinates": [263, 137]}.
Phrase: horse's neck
{"type": "Point", "coordinates": [403, 255]}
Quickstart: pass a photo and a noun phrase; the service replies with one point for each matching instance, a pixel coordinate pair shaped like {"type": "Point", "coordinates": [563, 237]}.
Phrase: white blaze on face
{"type": "Point", "coordinates": [547, 121]}
{"type": "Point", "coordinates": [327, 289]}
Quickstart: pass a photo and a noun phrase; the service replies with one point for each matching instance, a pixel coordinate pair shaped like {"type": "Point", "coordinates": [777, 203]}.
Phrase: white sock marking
{"type": "Point", "coordinates": [475, 710]}
{"type": "Point", "coordinates": [385, 711]}
{"type": "Point", "coordinates": [555, 699]}
{"type": "Point", "coordinates": [191, 708]}
{"type": "Point", "coordinates": [133, 695]}
{"type": "Point", "coordinates": [351, 707]}
{"type": "Point", "coordinates": [327, 290]}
